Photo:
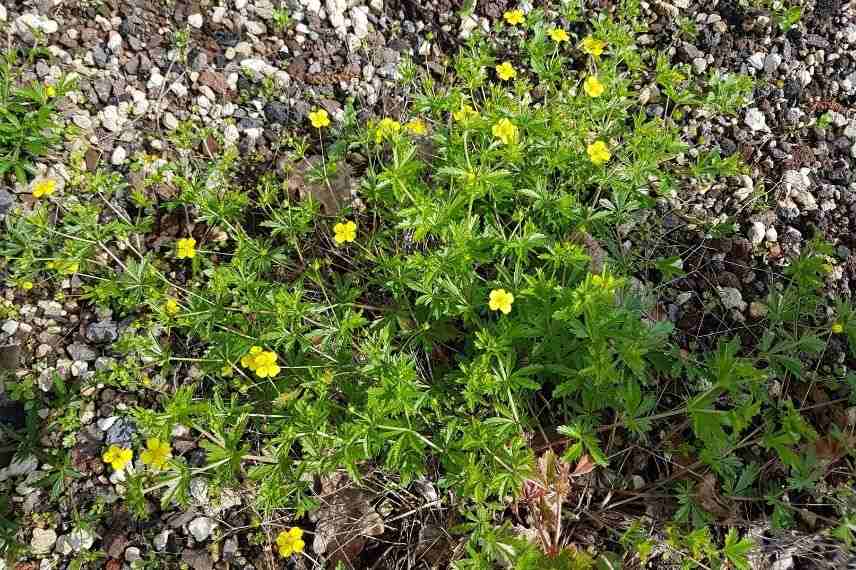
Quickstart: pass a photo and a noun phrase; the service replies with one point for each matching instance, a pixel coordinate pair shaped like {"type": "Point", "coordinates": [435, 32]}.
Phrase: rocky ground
{"type": "Point", "coordinates": [244, 69]}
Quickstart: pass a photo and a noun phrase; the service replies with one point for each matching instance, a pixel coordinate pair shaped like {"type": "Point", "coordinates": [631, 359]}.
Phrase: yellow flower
{"type": "Point", "coordinates": [506, 131]}
{"type": "Point", "coordinates": [592, 86]}
{"type": "Point", "coordinates": [171, 307]}
{"type": "Point", "coordinates": [156, 454]}
{"type": "Point", "coordinates": [559, 35]}
{"type": "Point", "coordinates": [290, 542]}
{"type": "Point", "coordinates": [506, 71]}
{"type": "Point", "coordinates": [266, 366]}
{"type": "Point", "coordinates": [319, 118]}
{"type": "Point", "coordinates": [514, 17]}
{"type": "Point", "coordinates": [416, 127]}
{"type": "Point", "coordinates": [117, 457]}
{"type": "Point", "coordinates": [837, 328]}
{"type": "Point", "coordinates": [249, 359]}
{"type": "Point", "coordinates": [593, 46]}
{"type": "Point", "coordinates": [465, 114]}
{"type": "Point", "coordinates": [386, 128]}
{"type": "Point", "coordinates": [500, 300]}
{"type": "Point", "coordinates": [43, 187]}
{"type": "Point", "coordinates": [345, 232]}
{"type": "Point", "coordinates": [26, 285]}
{"type": "Point", "coordinates": [50, 91]}
{"type": "Point", "coordinates": [185, 248]}
{"type": "Point", "coordinates": [598, 152]}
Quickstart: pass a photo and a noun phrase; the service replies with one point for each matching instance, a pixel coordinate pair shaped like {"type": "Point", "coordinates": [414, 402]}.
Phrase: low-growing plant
{"type": "Point", "coordinates": [464, 320]}
{"type": "Point", "coordinates": [29, 126]}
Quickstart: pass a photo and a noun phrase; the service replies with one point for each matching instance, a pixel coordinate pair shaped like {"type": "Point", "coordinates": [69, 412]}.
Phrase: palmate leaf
{"type": "Point", "coordinates": [737, 550]}
{"type": "Point", "coordinates": [586, 442]}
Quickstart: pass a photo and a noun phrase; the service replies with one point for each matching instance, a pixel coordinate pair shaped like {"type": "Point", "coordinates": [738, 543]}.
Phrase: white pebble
{"type": "Point", "coordinates": [195, 20]}
{"type": "Point", "coordinates": [119, 156]}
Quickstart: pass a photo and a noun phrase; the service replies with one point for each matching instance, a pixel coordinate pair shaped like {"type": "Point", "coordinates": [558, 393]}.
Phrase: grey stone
{"type": "Point", "coordinates": [43, 541]}
{"type": "Point", "coordinates": [772, 63]}
{"type": "Point", "coordinates": [7, 200]}
{"type": "Point", "coordinates": [161, 540]}
{"type": "Point", "coordinates": [756, 233]}
{"type": "Point", "coordinates": [120, 432]}
{"type": "Point", "coordinates": [731, 298]}
{"type": "Point", "coordinates": [80, 539]}
{"type": "Point", "coordinates": [19, 468]}
{"type": "Point", "coordinates": [80, 351]}
{"type": "Point", "coordinates": [755, 120]}
{"type": "Point", "coordinates": [201, 528]}
{"type": "Point", "coordinates": [119, 155]}
{"type": "Point", "coordinates": [102, 331]}
{"type": "Point", "coordinates": [10, 327]}
{"type": "Point", "coordinates": [756, 60]}
{"type": "Point", "coordinates": [132, 554]}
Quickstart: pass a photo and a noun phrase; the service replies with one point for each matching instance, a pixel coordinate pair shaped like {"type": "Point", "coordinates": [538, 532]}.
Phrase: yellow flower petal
{"type": "Point", "coordinates": [514, 17]}
{"type": "Point", "coordinates": [559, 35]}
{"type": "Point", "coordinates": [185, 248]}
{"type": "Point", "coordinates": [593, 46]}
{"type": "Point", "coordinates": [592, 86]}
{"type": "Point", "coordinates": [319, 118]}
{"type": "Point", "coordinates": [505, 131]}
{"type": "Point", "coordinates": [598, 152]}
{"type": "Point", "coordinates": [500, 300]}
{"type": "Point", "coordinates": [345, 232]}
{"type": "Point", "coordinates": [506, 71]}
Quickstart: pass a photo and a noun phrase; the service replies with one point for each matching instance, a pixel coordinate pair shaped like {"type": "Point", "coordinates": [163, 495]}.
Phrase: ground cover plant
{"type": "Point", "coordinates": [436, 312]}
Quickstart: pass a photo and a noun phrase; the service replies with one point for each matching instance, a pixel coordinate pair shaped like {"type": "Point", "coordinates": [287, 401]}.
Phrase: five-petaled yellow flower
{"type": "Point", "coordinates": [593, 46]}
{"type": "Point", "coordinates": [185, 248]}
{"type": "Point", "coordinates": [262, 362]}
{"type": "Point", "coordinates": [837, 328]}
{"type": "Point", "coordinates": [559, 35]}
{"type": "Point", "coordinates": [43, 187]}
{"type": "Point", "coordinates": [592, 86]}
{"type": "Point", "coordinates": [344, 232]}
{"type": "Point", "coordinates": [171, 307]}
{"type": "Point", "coordinates": [266, 366]}
{"type": "Point", "coordinates": [156, 454]}
{"type": "Point", "coordinates": [290, 542]}
{"type": "Point", "coordinates": [506, 71]}
{"type": "Point", "coordinates": [319, 118]}
{"type": "Point", "coordinates": [465, 113]}
{"type": "Point", "coordinates": [416, 127]}
{"type": "Point", "coordinates": [500, 300]}
{"type": "Point", "coordinates": [386, 128]}
{"type": "Point", "coordinates": [506, 131]}
{"type": "Point", "coordinates": [514, 17]}
{"type": "Point", "coordinates": [598, 152]}
{"type": "Point", "coordinates": [117, 457]}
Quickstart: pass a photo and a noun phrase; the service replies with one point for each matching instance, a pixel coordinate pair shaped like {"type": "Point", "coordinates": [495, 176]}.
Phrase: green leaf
{"type": "Point", "coordinates": [737, 550]}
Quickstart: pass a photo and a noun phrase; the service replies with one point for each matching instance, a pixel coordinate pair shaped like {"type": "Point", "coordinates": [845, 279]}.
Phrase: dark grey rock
{"type": "Point", "coordinates": [120, 433]}
{"type": "Point", "coordinates": [276, 112]}
{"type": "Point", "coordinates": [7, 200]}
{"type": "Point", "coordinates": [102, 331]}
